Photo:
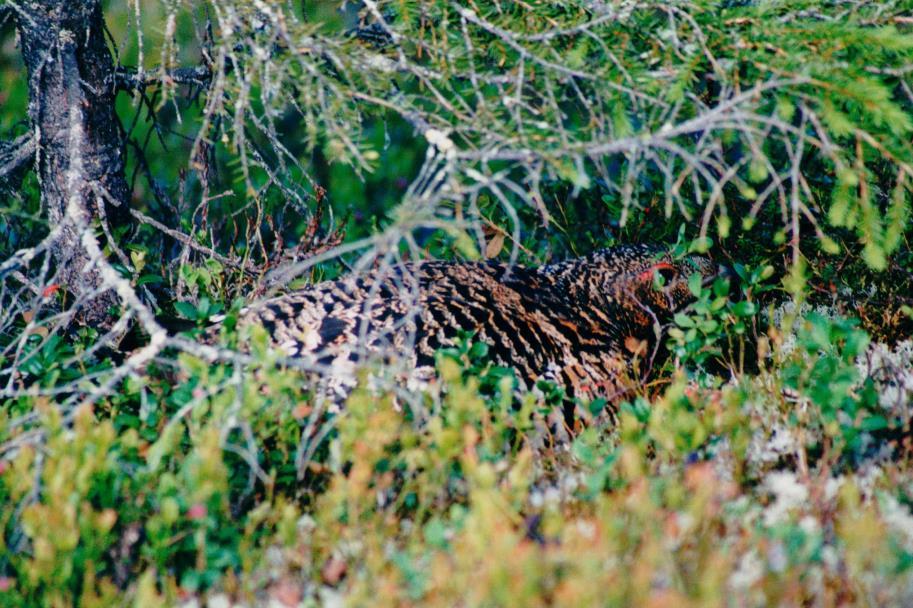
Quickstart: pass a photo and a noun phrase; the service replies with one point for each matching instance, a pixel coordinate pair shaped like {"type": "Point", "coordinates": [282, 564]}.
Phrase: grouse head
{"type": "Point", "coordinates": [648, 285]}
{"type": "Point", "coordinates": [638, 288]}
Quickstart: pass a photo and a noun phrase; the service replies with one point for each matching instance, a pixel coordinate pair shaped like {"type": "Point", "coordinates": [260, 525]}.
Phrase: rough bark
{"type": "Point", "coordinates": [15, 157]}
{"type": "Point", "coordinates": [69, 65]}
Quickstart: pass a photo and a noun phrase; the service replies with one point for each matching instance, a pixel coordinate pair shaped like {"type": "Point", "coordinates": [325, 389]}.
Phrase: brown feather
{"type": "Point", "coordinates": [573, 322]}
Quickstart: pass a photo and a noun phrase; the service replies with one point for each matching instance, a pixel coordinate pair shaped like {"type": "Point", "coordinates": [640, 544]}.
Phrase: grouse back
{"type": "Point", "coordinates": [580, 322]}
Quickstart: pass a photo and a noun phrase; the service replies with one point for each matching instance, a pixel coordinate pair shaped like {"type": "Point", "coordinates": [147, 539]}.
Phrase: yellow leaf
{"type": "Point", "coordinates": [495, 244]}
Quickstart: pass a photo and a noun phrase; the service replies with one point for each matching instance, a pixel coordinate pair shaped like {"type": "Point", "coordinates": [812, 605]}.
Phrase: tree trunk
{"type": "Point", "coordinates": [69, 65]}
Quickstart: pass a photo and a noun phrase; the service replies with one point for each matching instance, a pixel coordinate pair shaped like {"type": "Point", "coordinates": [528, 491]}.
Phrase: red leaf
{"type": "Point", "coordinates": [197, 511]}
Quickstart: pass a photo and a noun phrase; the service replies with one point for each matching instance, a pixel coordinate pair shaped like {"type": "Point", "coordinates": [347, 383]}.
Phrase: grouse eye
{"type": "Point", "coordinates": [668, 274]}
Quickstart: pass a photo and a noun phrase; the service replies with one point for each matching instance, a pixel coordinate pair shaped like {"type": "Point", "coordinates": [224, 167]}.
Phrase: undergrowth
{"type": "Point", "coordinates": [765, 459]}
{"type": "Point", "coordinates": [791, 486]}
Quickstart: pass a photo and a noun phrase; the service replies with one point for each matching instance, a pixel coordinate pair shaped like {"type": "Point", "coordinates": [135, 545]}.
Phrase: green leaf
{"type": "Point", "coordinates": [897, 218]}
{"type": "Point", "coordinates": [435, 533]}
{"type": "Point", "coordinates": [757, 170]}
{"type": "Point", "coordinates": [596, 406]}
{"type": "Point", "coordinates": [701, 245]}
{"type": "Point", "coordinates": [829, 245]}
{"type": "Point", "coordinates": [744, 308]}
{"type": "Point", "coordinates": [718, 303]}
{"type": "Point", "coordinates": [695, 284]}
{"type": "Point", "coordinates": [795, 281]}
{"type": "Point", "coordinates": [186, 310]}
{"type": "Point", "coordinates": [149, 278]}
{"type": "Point", "coordinates": [478, 350]}
{"type": "Point", "coordinates": [874, 256]}
{"type": "Point", "coordinates": [724, 224]}
{"type": "Point", "coordinates": [838, 122]}
{"type": "Point", "coordinates": [786, 109]}
{"type": "Point", "coordinates": [164, 446]}
{"type": "Point", "coordinates": [683, 320]}
{"type": "Point", "coordinates": [873, 423]}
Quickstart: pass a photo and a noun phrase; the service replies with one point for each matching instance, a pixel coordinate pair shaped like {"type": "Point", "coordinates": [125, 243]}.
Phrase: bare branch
{"type": "Point", "coordinates": [14, 158]}
{"type": "Point", "coordinates": [129, 79]}
{"type": "Point", "coordinates": [185, 239]}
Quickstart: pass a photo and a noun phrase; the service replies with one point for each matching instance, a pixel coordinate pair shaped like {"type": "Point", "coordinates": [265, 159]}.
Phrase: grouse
{"type": "Point", "coordinates": [580, 322]}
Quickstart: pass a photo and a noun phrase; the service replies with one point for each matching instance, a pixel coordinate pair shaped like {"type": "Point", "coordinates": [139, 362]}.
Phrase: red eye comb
{"type": "Point", "coordinates": [647, 275]}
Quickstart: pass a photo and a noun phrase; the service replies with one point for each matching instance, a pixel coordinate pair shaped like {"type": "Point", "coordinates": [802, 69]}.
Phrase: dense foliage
{"type": "Point", "coordinates": [270, 144]}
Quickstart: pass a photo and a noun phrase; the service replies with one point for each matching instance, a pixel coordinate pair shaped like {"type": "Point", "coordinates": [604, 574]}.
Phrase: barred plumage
{"type": "Point", "coordinates": [578, 322]}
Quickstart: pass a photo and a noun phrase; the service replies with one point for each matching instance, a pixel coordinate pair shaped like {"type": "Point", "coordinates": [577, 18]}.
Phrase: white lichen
{"type": "Point", "coordinates": [789, 495]}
